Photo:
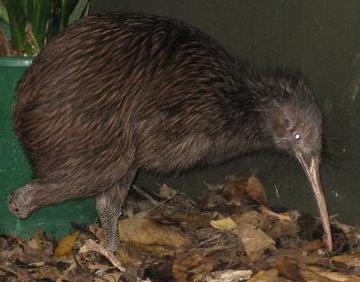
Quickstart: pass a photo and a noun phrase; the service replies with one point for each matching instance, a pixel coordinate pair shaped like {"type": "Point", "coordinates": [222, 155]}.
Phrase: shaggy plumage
{"type": "Point", "coordinates": [120, 92]}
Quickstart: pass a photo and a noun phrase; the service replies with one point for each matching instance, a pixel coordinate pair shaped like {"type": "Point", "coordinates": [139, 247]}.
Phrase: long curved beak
{"type": "Point", "coordinates": [312, 171]}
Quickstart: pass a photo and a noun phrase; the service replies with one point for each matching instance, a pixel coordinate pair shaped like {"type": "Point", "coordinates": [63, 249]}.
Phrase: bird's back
{"type": "Point", "coordinates": [107, 76]}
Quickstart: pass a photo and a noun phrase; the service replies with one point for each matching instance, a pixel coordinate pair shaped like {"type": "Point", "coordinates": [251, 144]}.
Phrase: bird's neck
{"type": "Point", "coordinates": [253, 103]}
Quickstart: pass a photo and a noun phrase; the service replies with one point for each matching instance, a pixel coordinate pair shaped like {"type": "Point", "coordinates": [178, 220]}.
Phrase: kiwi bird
{"type": "Point", "coordinates": [118, 93]}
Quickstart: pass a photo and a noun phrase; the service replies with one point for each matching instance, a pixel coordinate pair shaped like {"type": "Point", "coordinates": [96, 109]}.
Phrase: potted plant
{"type": "Point", "coordinates": [26, 27]}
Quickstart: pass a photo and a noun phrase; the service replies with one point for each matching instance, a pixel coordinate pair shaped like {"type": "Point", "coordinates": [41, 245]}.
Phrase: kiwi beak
{"type": "Point", "coordinates": [312, 171]}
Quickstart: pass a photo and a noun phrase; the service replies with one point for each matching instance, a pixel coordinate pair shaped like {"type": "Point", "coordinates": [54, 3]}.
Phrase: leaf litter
{"type": "Point", "coordinates": [231, 234]}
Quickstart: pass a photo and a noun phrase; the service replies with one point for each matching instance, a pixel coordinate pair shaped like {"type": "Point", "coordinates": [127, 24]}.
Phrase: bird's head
{"type": "Point", "coordinates": [294, 122]}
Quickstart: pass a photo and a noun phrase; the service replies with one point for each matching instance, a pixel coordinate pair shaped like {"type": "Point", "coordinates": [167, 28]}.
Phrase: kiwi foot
{"type": "Point", "coordinates": [19, 201]}
{"type": "Point", "coordinates": [112, 243]}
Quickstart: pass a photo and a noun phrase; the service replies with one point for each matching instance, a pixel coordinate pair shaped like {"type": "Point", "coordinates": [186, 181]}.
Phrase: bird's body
{"type": "Point", "coordinates": [118, 93]}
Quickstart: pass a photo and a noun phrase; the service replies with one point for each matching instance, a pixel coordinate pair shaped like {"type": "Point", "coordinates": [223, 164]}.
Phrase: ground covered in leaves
{"type": "Point", "coordinates": [229, 235]}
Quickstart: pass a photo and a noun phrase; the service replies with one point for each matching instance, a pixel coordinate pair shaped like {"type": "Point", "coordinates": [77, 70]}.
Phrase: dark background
{"type": "Point", "coordinates": [319, 37]}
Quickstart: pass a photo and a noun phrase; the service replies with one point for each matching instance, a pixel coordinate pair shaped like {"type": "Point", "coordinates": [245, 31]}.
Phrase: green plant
{"type": "Point", "coordinates": [34, 22]}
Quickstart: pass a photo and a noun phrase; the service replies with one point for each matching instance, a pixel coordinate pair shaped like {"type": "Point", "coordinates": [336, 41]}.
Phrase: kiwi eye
{"type": "Point", "coordinates": [297, 136]}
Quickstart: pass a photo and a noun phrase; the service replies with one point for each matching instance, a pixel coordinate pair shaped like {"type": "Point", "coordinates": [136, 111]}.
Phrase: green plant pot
{"type": "Point", "coordinates": [15, 171]}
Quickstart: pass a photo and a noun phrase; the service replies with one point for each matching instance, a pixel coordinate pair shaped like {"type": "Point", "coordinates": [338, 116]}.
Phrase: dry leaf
{"type": "Point", "coordinates": [228, 276]}
{"type": "Point", "coordinates": [212, 199]}
{"type": "Point", "coordinates": [223, 224]}
{"type": "Point", "coordinates": [193, 219]}
{"type": "Point", "coordinates": [256, 190]}
{"type": "Point", "coordinates": [145, 231]}
{"type": "Point", "coordinates": [288, 268]}
{"type": "Point", "coordinates": [187, 266]}
{"type": "Point", "coordinates": [278, 228]}
{"type": "Point", "coordinates": [166, 192]}
{"type": "Point", "coordinates": [352, 232]}
{"type": "Point", "coordinates": [109, 277]}
{"type": "Point", "coordinates": [289, 215]}
{"type": "Point", "coordinates": [158, 251]}
{"type": "Point", "coordinates": [310, 276]}
{"type": "Point", "coordinates": [298, 256]}
{"type": "Point", "coordinates": [255, 241]}
{"type": "Point", "coordinates": [66, 244]}
{"type": "Point", "coordinates": [331, 275]}
{"type": "Point", "coordinates": [129, 254]}
{"type": "Point", "coordinates": [97, 231]}
{"type": "Point", "coordinates": [38, 245]}
{"type": "Point", "coordinates": [348, 259]}
{"type": "Point", "coordinates": [313, 245]}
{"type": "Point", "coordinates": [237, 189]}
{"type": "Point", "coordinates": [160, 245]}
{"type": "Point", "coordinates": [213, 187]}
{"type": "Point", "coordinates": [271, 275]}
{"type": "Point", "coordinates": [254, 218]}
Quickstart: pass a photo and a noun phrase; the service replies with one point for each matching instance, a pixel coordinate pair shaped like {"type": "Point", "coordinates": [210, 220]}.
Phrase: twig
{"type": "Point", "coordinates": [213, 238]}
{"type": "Point", "coordinates": [19, 276]}
{"type": "Point", "coordinates": [229, 275]}
{"type": "Point", "coordinates": [190, 201]}
{"type": "Point", "coordinates": [216, 249]}
{"type": "Point", "coordinates": [91, 246]}
{"type": "Point", "coordinates": [145, 194]}
{"type": "Point", "coordinates": [279, 216]}
{"type": "Point", "coordinates": [141, 214]}
{"type": "Point", "coordinates": [78, 264]}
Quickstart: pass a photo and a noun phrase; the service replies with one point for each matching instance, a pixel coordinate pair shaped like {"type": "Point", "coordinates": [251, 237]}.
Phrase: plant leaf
{"type": "Point", "coordinates": [62, 10]}
{"type": "Point", "coordinates": [38, 15]}
{"type": "Point", "coordinates": [17, 22]}
{"type": "Point", "coordinates": [3, 12]}
{"type": "Point", "coordinates": [67, 6]}
{"type": "Point", "coordinates": [81, 9]}
{"type": "Point", "coordinates": [54, 25]}
{"type": "Point", "coordinates": [34, 22]}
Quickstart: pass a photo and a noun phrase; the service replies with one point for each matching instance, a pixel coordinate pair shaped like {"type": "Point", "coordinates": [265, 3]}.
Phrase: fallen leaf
{"type": "Point", "coordinates": [129, 254]}
{"type": "Point", "coordinates": [236, 190]}
{"type": "Point", "coordinates": [313, 245]}
{"type": "Point", "coordinates": [213, 187]}
{"type": "Point", "coordinates": [337, 276]}
{"type": "Point", "coordinates": [109, 277]}
{"type": "Point", "coordinates": [288, 268]}
{"type": "Point", "coordinates": [158, 251]}
{"type": "Point", "coordinates": [298, 256]}
{"type": "Point", "coordinates": [193, 219]}
{"type": "Point", "coordinates": [311, 276]}
{"type": "Point", "coordinates": [165, 192]}
{"type": "Point", "coordinates": [228, 275]}
{"type": "Point", "coordinates": [331, 275]}
{"type": "Point", "coordinates": [66, 244]}
{"type": "Point", "coordinates": [229, 253]}
{"type": "Point", "coordinates": [97, 231]}
{"type": "Point", "coordinates": [187, 266]}
{"type": "Point", "coordinates": [212, 199]}
{"type": "Point", "coordinates": [223, 224]}
{"type": "Point", "coordinates": [147, 232]}
{"type": "Point", "coordinates": [256, 190]}
{"type": "Point", "coordinates": [348, 259]}
{"type": "Point", "coordinates": [271, 275]}
{"type": "Point", "coordinates": [255, 240]}
{"type": "Point", "coordinates": [278, 228]}
{"type": "Point", "coordinates": [253, 218]}
{"type": "Point", "coordinates": [39, 245]}
{"type": "Point", "coordinates": [285, 216]}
